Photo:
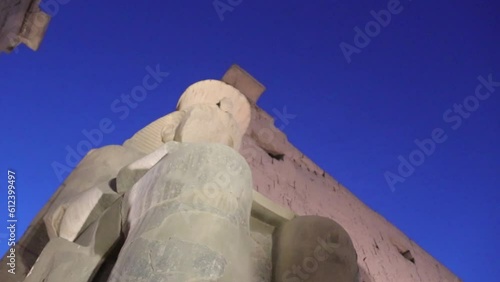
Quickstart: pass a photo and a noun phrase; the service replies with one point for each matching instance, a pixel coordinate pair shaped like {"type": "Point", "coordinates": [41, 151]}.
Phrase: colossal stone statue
{"type": "Point", "coordinates": [176, 203]}
{"type": "Point", "coordinates": [195, 199]}
{"type": "Point", "coordinates": [188, 218]}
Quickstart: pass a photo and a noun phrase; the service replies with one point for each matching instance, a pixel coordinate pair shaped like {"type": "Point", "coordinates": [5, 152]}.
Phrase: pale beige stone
{"type": "Point", "coordinates": [62, 260]}
{"type": "Point", "coordinates": [98, 166]}
{"type": "Point", "coordinates": [87, 191]}
{"type": "Point", "coordinates": [181, 215]}
{"type": "Point", "coordinates": [213, 92]}
{"type": "Point", "coordinates": [266, 215]}
{"type": "Point", "coordinates": [35, 26]}
{"type": "Point", "coordinates": [208, 111]}
{"type": "Point", "coordinates": [293, 182]}
{"type": "Point", "coordinates": [208, 123]}
{"type": "Point", "coordinates": [130, 174]}
{"type": "Point", "coordinates": [267, 211]}
{"type": "Point", "coordinates": [87, 207]}
{"type": "Point", "coordinates": [84, 209]}
{"type": "Point", "coordinates": [160, 131]}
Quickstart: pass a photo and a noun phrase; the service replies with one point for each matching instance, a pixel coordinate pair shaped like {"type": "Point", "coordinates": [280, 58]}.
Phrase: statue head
{"type": "Point", "coordinates": [209, 111]}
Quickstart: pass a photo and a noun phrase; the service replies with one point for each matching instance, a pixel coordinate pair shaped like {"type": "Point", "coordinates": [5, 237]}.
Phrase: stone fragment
{"type": "Point", "coordinates": [21, 21]}
{"type": "Point", "coordinates": [244, 82]}
{"type": "Point", "coordinates": [313, 248]}
{"type": "Point", "coordinates": [130, 174]}
{"type": "Point", "coordinates": [269, 212]}
{"type": "Point", "coordinates": [98, 166]}
{"type": "Point", "coordinates": [87, 191]}
{"type": "Point", "coordinates": [62, 260]}
{"type": "Point", "coordinates": [74, 216]}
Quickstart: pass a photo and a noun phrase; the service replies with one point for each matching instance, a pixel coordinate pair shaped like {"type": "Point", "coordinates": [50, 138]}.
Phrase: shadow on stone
{"type": "Point", "coordinates": [32, 245]}
{"type": "Point", "coordinates": [104, 271]}
{"type": "Point", "coordinates": [364, 276]}
{"type": "Point", "coordinates": [315, 249]}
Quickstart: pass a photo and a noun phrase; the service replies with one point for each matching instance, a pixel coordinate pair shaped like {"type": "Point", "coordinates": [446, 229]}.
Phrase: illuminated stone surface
{"type": "Point", "coordinates": [285, 184]}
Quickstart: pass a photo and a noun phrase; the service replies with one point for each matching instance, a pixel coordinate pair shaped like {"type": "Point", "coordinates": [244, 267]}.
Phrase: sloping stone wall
{"type": "Point", "coordinates": [288, 177]}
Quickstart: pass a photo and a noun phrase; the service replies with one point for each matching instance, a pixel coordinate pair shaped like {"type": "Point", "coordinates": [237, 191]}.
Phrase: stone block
{"type": "Point", "coordinates": [35, 26]}
{"type": "Point", "coordinates": [21, 21]}
{"type": "Point", "coordinates": [244, 82]}
{"type": "Point", "coordinates": [131, 173]}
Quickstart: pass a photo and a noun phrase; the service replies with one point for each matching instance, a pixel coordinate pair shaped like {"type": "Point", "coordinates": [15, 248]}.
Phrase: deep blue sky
{"type": "Point", "coordinates": [353, 119]}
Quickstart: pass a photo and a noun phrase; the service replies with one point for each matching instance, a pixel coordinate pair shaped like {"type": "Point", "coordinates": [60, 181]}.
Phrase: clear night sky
{"type": "Point", "coordinates": [354, 119]}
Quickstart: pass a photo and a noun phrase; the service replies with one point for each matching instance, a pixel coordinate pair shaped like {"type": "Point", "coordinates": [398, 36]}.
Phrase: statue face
{"type": "Point", "coordinates": [220, 94]}
{"type": "Point", "coordinates": [209, 111]}
{"type": "Point", "coordinates": [208, 124]}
